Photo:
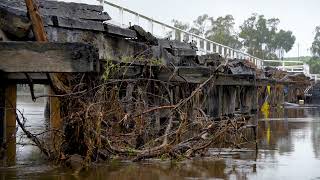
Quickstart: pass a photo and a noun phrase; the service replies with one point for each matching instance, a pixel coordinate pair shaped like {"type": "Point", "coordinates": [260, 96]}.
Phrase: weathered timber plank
{"type": "Point", "coordinates": [64, 9]}
{"type": "Point", "coordinates": [184, 52]}
{"type": "Point", "coordinates": [36, 21]}
{"type": "Point", "coordinates": [118, 31]}
{"type": "Point", "coordinates": [200, 74]}
{"type": "Point", "coordinates": [47, 57]}
{"type": "Point", "coordinates": [176, 44]}
{"type": "Point", "coordinates": [64, 22]}
{"type": "Point", "coordinates": [74, 10]}
{"type": "Point", "coordinates": [15, 22]}
{"type": "Point", "coordinates": [20, 78]}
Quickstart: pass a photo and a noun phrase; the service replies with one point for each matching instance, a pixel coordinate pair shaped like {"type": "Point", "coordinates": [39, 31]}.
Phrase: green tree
{"type": "Point", "coordinates": [201, 25]}
{"type": "Point", "coordinates": [263, 39]}
{"type": "Point", "coordinates": [315, 49]}
{"type": "Point", "coordinates": [314, 62]}
{"type": "Point", "coordinates": [220, 30]}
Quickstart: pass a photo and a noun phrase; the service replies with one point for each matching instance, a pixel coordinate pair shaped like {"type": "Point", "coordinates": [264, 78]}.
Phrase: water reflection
{"type": "Point", "coordinates": [289, 148]}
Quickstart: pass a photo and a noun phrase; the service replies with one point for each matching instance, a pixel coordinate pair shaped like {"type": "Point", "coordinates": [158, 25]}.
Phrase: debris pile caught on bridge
{"type": "Point", "coordinates": [123, 92]}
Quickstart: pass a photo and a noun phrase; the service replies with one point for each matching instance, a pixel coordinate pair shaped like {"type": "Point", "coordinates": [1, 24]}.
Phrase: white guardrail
{"type": "Point", "coordinates": [124, 17]}
{"type": "Point", "coordinates": [127, 17]}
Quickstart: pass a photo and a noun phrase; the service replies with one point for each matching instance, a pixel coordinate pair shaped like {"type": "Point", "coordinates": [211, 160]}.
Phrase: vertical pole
{"type": "Point", "coordinates": [164, 31]}
{"type": "Point", "coordinates": [254, 99]}
{"type": "Point", "coordinates": [137, 19]}
{"type": "Point", "coordinates": [190, 39]}
{"type": "Point", "coordinates": [2, 116]}
{"type": "Point", "coordinates": [8, 100]}
{"type": "Point", "coordinates": [55, 119]}
{"type": "Point", "coordinates": [198, 43]}
{"type": "Point", "coordinates": [151, 26]}
{"type": "Point", "coordinates": [181, 36]}
{"type": "Point", "coordinates": [10, 120]}
{"type": "Point", "coordinates": [121, 17]}
{"type": "Point", "coordinates": [211, 47]}
{"type": "Point", "coordinates": [173, 34]}
{"type": "Point", "coordinates": [222, 51]}
{"type": "Point", "coordinates": [205, 46]}
{"type": "Point", "coordinates": [220, 100]}
{"type": "Point", "coordinates": [2, 125]}
{"type": "Point", "coordinates": [217, 49]}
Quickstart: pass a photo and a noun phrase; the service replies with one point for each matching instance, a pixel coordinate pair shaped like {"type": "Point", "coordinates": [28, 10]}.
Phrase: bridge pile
{"type": "Point", "coordinates": [123, 92]}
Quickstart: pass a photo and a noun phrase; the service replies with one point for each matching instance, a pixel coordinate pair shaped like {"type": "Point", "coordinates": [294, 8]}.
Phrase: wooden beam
{"type": "Point", "coordinates": [36, 20]}
{"type": "Point", "coordinates": [64, 22]}
{"type": "Point", "coordinates": [20, 78]}
{"type": "Point", "coordinates": [118, 31]}
{"type": "Point", "coordinates": [34, 57]}
{"type": "Point", "coordinates": [64, 9]}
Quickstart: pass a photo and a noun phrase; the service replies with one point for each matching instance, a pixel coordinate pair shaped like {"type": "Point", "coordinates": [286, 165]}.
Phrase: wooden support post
{"type": "Point", "coordinates": [220, 100]}
{"type": "Point", "coordinates": [2, 118]}
{"type": "Point", "coordinates": [232, 96]}
{"type": "Point", "coordinates": [254, 97]}
{"type": "Point", "coordinates": [55, 120]}
{"type": "Point", "coordinates": [238, 99]}
{"type": "Point", "coordinates": [10, 116]}
{"type": "Point", "coordinates": [244, 100]}
{"type": "Point", "coordinates": [8, 99]}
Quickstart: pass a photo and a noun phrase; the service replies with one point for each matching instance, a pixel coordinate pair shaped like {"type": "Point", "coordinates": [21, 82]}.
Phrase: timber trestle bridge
{"type": "Point", "coordinates": [82, 39]}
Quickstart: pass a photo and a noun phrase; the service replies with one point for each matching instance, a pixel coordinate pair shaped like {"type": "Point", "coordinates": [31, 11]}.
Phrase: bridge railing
{"type": "Point", "coordinates": [126, 17]}
{"type": "Point", "coordinates": [286, 65]}
{"type": "Point", "coordinates": [316, 77]}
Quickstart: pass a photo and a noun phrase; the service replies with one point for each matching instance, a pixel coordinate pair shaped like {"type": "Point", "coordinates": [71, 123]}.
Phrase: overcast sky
{"type": "Point", "coordinates": [299, 16]}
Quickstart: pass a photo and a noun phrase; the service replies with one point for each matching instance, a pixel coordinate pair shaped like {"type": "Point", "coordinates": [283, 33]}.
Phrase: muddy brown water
{"type": "Point", "coordinates": [289, 148]}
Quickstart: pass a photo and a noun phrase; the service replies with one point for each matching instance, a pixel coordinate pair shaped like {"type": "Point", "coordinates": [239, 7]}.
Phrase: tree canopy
{"type": "Point", "coordinates": [220, 30]}
{"type": "Point", "coordinates": [315, 49]}
{"type": "Point", "coordinates": [263, 39]}
{"type": "Point", "coordinates": [314, 61]}
{"type": "Point", "coordinates": [258, 35]}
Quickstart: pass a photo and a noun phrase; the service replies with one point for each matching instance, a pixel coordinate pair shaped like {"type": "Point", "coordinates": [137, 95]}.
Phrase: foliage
{"type": "Point", "coordinates": [315, 49]}
{"type": "Point", "coordinates": [263, 38]}
{"type": "Point", "coordinates": [109, 69]}
{"type": "Point", "coordinates": [220, 30]}
{"type": "Point", "coordinates": [314, 64]}
{"type": "Point", "coordinates": [223, 32]}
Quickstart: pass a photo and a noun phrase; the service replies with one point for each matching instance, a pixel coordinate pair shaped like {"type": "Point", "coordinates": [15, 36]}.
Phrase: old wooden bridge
{"type": "Point", "coordinates": [81, 40]}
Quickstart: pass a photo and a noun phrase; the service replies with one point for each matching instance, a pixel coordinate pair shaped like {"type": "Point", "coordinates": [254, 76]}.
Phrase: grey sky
{"type": "Point", "coordinates": [299, 16]}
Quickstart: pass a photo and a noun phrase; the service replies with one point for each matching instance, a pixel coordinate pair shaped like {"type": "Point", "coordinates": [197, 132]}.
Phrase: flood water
{"type": "Point", "coordinates": [289, 148]}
